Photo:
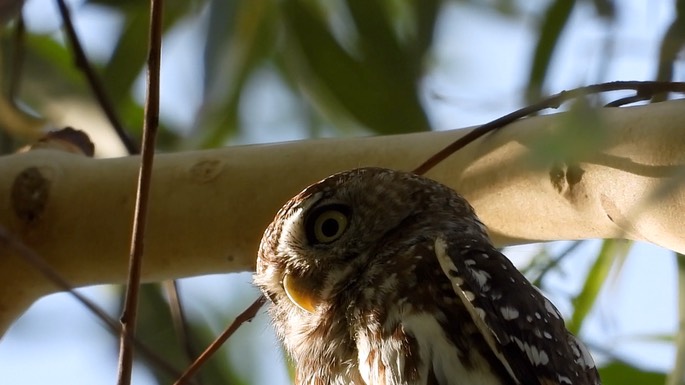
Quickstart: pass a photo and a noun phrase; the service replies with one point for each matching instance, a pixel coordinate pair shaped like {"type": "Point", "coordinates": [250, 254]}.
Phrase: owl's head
{"type": "Point", "coordinates": [334, 230]}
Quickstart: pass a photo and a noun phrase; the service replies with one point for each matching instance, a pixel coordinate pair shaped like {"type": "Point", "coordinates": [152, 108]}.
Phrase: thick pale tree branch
{"type": "Point", "coordinates": [208, 208]}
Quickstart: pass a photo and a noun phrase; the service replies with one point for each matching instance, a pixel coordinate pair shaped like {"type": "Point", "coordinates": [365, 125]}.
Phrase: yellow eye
{"type": "Point", "coordinates": [328, 224]}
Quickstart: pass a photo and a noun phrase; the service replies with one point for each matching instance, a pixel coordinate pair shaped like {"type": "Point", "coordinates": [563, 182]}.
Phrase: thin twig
{"type": "Point", "coordinates": [94, 81]}
{"type": "Point", "coordinates": [39, 264]}
{"type": "Point", "coordinates": [150, 125]}
{"type": "Point", "coordinates": [553, 263]}
{"type": "Point", "coordinates": [554, 101]}
{"type": "Point", "coordinates": [178, 318]}
{"type": "Point", "coordinates": [628, 100]}
{"type": "Point", "coordinates": [246, 316]}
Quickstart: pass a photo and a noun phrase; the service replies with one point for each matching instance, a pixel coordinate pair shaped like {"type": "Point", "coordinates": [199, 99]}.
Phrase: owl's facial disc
{"type": "Point", "coordinates": [323, 225]}
{"type": "Point", "coordinates": [299, 294]}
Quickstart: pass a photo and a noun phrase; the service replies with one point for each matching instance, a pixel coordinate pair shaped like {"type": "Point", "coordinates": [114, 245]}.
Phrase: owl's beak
{"type": "Point", "coordinates": [299, 293]}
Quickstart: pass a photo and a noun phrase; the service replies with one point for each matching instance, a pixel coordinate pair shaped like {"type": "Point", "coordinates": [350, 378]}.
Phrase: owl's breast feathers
{"type": "Point", "coordinates": [412, 328]}
{"type": "Point", "coordinates": [484, 324]}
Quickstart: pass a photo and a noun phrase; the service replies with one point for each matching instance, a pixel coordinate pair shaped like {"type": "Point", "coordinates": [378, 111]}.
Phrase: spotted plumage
{"type": "Point", "coordinates": [387, 278]}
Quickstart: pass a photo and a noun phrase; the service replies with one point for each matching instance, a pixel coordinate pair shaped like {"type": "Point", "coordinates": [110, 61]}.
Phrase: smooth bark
{"type": "Point", "coordinates": [208, 208]}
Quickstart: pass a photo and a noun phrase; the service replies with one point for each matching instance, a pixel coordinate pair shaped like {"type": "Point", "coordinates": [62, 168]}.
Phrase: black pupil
{"type": "Point", "coordinates": [330, 227]}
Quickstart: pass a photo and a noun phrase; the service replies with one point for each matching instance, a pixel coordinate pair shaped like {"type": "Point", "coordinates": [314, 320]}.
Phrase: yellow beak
{"type": "Point", "coordinates": [298, 294]}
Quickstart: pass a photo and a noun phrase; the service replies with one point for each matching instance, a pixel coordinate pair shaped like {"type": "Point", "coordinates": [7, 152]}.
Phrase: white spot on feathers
{"type": "Point", "coordinates": [480, 276]}
{"type": "Point", "coordinates": [536, 356]}
{"type": "Point", "coordinates": [583, 355]}
{"type": "Point", "coordinates": [509, 313]}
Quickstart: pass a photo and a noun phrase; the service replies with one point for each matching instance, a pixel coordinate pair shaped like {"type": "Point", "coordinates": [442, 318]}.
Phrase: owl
{"type": "Point", "coordinates": [382, 277]}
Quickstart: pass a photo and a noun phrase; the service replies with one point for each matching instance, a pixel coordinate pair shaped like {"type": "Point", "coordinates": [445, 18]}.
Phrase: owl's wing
{"type": "Point", "coordinates": [522, 327]}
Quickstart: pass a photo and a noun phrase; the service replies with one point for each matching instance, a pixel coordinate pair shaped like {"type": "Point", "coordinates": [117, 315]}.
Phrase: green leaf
{"type": "Point", "coordinates": [130, 52]}
{"type": "Point", "coordinates": [672, 44]}
{"type": "Point", "coordinates": [426, 12]}
{"type": "Point", "coordinates": [553, 23]}
{"type": "Point", "coordinates": [605, 8]}
{"type": "Point", "coordinates": [128, 57]}
{"type": "Point", "coordinates": [156, 330]}
{"type": "Point", "coordinates": [52, 65]}
{"type": "Point", "coordinates": [618, 373]}
{"type": "Point", "coordinates": [218, 369]}
{"type": "Point", "coordinates": [579, 135]}
{"type": "Point", "coordinates": [240, 37]}
{"type": "Point", "coordinates": [374, 82]}
{"type": "Point", "coordinates": [677, 375]}
{"type": "Point", "coordinates": [612, 251]}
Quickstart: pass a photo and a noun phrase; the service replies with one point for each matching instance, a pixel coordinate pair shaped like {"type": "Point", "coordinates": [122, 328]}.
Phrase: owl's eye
{"type": "Point", "coordinates": [327, 223]}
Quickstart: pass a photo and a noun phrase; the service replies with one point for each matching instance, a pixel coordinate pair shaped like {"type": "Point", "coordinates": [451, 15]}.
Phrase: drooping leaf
{"type": "Point", "coordinates": [374, 82]}
{"type": "Point", "coordinates": [128, 57]}
{"type": "Point", "coordinates": [612, 253]}
{"type": "Point", "coordinates": [240, 36]}
{"type": "Point", "coordinates": [677, 375]}
{"type": "Point", "coordinates": [553, 23]}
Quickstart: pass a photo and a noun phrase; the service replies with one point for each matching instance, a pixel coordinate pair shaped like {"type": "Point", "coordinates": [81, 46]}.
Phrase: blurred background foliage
{"type": "Point", "coordinates": [333, 68]}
